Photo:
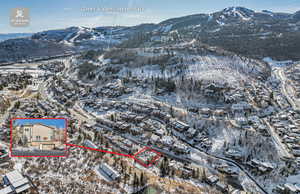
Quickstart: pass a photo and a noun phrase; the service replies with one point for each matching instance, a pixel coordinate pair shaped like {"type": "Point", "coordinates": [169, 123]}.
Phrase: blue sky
{"type": "Point", "coordinates": [54, 14]}
{"type": "Point", "coordinates": [59, 123]}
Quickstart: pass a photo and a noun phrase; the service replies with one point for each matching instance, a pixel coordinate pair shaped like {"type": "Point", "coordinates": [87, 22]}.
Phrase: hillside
{"type": "Point", "coordinates": [237, 29]}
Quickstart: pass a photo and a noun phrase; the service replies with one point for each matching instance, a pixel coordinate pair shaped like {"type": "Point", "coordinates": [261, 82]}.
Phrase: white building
{"type": "Point", "coordinates": [105, 171]}
{"type": "Point", "coordinates": [90, 144]}
{"type": "Point", "coordinates": [15, 182]}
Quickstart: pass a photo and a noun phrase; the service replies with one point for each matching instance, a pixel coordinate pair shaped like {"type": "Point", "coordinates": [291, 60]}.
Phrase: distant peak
{"type": "Point", "coordinates": [242, 9]}
{"type": "Point", "coordinates": [267, 11]}
{"type": "Point", "coordinates": [297, 13]}
{"type": "Point", "coordinates": [238, 12]}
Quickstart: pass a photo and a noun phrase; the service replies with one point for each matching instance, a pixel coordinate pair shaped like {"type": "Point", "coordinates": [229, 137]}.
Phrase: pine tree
{"type": "Point", "coordinates": [162, 169]}
{"type": "Point", "coordinates": [203, 175]}
{"type": "Point", "coordinates": [193, 173]}
{"type": "Point", "coordinates": [198, 173]}
{"type": "Point", "coordinates": [172, 111]}
{"type": "Point", "coordinates": [134, 180]}
{"type": "Point", "coordinates": [142, 179]}
{"type": "Point", "coordinates": [112, 118]}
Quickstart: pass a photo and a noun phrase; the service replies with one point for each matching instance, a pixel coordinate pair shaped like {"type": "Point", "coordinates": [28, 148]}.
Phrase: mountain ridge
{"type": "Point", "coordinates": [237, 29]}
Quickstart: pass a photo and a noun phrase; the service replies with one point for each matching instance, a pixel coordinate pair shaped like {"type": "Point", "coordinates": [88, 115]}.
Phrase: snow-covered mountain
{"type": "Point", "coordinates": [75, 35]}
{"type": "Point", "coordinates": [81, 34]}
{"type": "Point", "coordinates": [257, 34]}
{"type": "Point", "coordinates": [231, 16]}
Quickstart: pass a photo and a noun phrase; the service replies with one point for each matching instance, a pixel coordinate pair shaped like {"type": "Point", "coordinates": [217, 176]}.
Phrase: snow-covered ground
{"type": "Point", "coordinates": [274, 63]}
{"type": "Point", "coordinates": [294, 179]}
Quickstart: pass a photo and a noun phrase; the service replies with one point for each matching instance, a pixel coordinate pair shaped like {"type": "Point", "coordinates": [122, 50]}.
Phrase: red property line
{"type": "Point", "coordinates": [141, 163]}
{"type": "Point", "coordinates": [151, 163]}
{"type": "Point", "coordinates": [145, 148]}
{"type": "Point", "coordinates": [155, 158]}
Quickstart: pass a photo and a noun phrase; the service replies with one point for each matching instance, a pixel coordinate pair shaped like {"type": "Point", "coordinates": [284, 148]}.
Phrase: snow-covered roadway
{"type": "Point", "coordinates": [281, 148]}
{"type": "Point", "coordinates": [279, 72]}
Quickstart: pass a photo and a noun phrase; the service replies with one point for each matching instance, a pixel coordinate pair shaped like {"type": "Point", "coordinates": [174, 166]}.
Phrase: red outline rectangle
{"type": "Point", "coordinates": [66, 134]}
{"type": "Point", "coordinates": [142, 150]}
{"type": "Point", "coordinates": [152, 162]}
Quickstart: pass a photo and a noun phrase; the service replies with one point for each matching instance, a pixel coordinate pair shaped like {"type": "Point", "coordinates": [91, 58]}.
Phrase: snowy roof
{"type": "Point", "coordinates": [291, 187]}
{"type": "Point", "coordinates": [167, 139]}
{"type": "Point", "coordinates": [221, 185]}
{"type": "Point", "coordinates": [180, 125]}
{"type": "Point", "coordinates": [155, 137]}
{"type": "Point", "coordinates": [213, 179]}
{"type": "Point", "coordinates": [160, 131]}
{"type": "Point", "coordinates": [108, 171]}
{"type": "Point", "coordinates": [17, 181]}
{"type": "Point", "coordinates": [137, 129]}
{"type": "Point", "coordinates": [6, 190]}
{"type": "Point", "coordinates": [191, 130]}
{"type": "Point", "coordinates": [14, 176]}
{"type": "Point", "coordinates": [90, 144]}
{"type": "Point", "coordinates": [22, 188]}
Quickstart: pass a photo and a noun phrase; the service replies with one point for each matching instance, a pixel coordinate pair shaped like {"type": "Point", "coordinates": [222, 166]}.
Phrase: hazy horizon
{"type": "Point", "coordinates": [59, 14]}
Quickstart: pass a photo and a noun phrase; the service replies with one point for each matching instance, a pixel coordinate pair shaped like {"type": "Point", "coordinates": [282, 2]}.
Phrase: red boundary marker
{"type": "Point", "coordinates": [146, 148]}
{"type": "Point", "coordinates": [11, 127]}
{"type": "Point", "coordinates": [154, 159]}
{"type": "Point", "coordinates": [151, 163]}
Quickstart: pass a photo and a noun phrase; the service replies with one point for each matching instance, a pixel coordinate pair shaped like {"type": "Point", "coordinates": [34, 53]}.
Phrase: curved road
{"type": "Point", "coordinates": [205, 153]}
{"type": "Point", "coordinates": [232, 162]}
{"type": "Point", "coordinates": [280, 74]}
{"type": "Point", "coordinates": [227, 160]}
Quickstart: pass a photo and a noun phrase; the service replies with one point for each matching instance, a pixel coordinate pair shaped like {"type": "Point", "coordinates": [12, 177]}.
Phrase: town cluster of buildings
{"type": "Point", "coordinates": [14, 81]}
{"type": "Point", "coordinates": [107, 172]}
{"type": "Point", "coordinates": [111, 90]}
{"type": "Point", "coordinates": [148, 124]}
{"type": "Point", "coordinates": [125, 125]}
{"type": "Point", "coordinates": [287, 126]}
{"type": "Point", "coordinates": [294, 75]}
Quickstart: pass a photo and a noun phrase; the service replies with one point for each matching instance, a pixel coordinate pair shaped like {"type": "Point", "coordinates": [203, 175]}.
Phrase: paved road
{"type": "Point", "coordinates": [283, 152]}
{"type": "Point", "coordinates": [209, 155]}
{"type": "Point", "coordinates": [227, 160]}
{"type": "Point", "coordinates": [232, 162]}
{"type": "Point", "coordinates": [281, 75]}
{"type": "Point", "coordinates": [12, 105]}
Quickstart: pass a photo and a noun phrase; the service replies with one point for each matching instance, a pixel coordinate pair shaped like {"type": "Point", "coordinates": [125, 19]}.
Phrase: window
{"type": "Point", "coordinates": [38, 138]}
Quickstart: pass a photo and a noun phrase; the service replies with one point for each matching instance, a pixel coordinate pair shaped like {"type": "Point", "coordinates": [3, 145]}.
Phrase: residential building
{"type": "Point", "coordinates": [41, 136]}
{"type": "Point", "coordinates": [15, 182]}
{"type": "Point", "coordinates": [105, 171]}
